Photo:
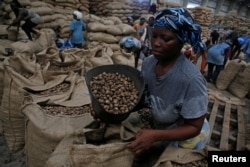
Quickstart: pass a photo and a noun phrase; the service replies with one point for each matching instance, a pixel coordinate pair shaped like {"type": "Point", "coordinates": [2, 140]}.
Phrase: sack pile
{"type": "Point", "coordinates": [235, 78]}
{"type": "Point", "coordinates": [203, 16]}
{"type": "Point", "coordinates": [121, 8]}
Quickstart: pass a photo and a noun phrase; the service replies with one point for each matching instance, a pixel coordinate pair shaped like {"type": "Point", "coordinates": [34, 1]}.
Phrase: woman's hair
{"type": "Point", "coordinates": [179, 21]}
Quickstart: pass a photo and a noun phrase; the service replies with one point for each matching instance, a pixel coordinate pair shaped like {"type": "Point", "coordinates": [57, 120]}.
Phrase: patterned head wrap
{"type": "Point", "coordinates": [179, 21]}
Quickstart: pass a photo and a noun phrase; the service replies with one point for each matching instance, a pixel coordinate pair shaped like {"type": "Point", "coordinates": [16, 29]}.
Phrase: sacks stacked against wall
{"type": "Point", "coordinates": [203, 16]}
{"type": "Point", "coordinates": [232, 20]}
{"type": "Point", "coordinates": [121, 8]}
{"type": "Point", "coordinates": [118, 9]}
{"type": "Point", "coordinates": [235, 78]}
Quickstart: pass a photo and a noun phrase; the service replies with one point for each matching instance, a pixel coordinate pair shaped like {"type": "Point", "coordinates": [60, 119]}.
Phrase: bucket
{"type": "Point", "coordinates": [128, 71]}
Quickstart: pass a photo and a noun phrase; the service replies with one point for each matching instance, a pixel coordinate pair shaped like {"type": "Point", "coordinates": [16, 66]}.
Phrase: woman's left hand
{"type": "Point", "coordinates": [144, 139]}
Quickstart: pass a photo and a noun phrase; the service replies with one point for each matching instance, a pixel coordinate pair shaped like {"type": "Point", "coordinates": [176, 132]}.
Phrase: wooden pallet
{"type": "Point", "coordinates": [227, 125]}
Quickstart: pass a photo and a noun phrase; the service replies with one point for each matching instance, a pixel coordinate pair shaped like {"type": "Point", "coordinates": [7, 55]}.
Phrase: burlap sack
{"type": "Point", "coordinates": [114, 47]}
{"type": "Point", "coordinates": [112, 29]}
{"type": "Point", "coordinates": [96, 27]}
{"type": "Point", "coordinates": [3, 30]}
{"type": "Point", "coordinates": [107, 155]}
{"type": "Point", "coordinates": [49, 53]}
{"type": "Point", "coordinates": [76, 66]}
{"type": "Point", "coordinates": [4, 44]}
{"type": "Point", "coordinates": [173, 156]}
{"type": "Point", "coordinates": [101, 37]}
{"type": "Point", "coordinates": [44, 132]}
{"type": "Point", "coordinates": [131, 126]}
{"type": "Point", "coordinates": [121, 57]}
{"type": "Point", "coordinates": [45, 40]}
{"type": "Point", "coordinates": [97, 57]}
{"type": "Point", "coordinates": [227, 75]}
{"type": "Point", "coordinates": [126, 29]}
{"type": "Point", "coordinates": [73, 150]}
{"type": "Point", "coordinates": [18, 73]}
{"type": "Point", "coordinates": [240, 86]}
{"type": "Point", "coordinates": [57, 88]}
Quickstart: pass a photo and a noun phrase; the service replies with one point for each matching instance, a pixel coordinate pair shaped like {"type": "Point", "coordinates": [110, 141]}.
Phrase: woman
{"type": "Point", "coordinates": [217, 57]}
{"type": "Point", "coordinates": [76, 28]}
{"type": "Point", "coordinates": [177, 91]}
{"type": "Point", "coordinates": [31, 19]}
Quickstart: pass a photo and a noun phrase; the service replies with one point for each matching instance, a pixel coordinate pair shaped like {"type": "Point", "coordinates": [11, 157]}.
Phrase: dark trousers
{"type": "Point", "coordinates": [213, 74]}
{"type": "Point", "coordinates": [137, 56]}
{"type": "Point", "coordinates": [77, 45]}
{"type": "Point", "coordinates": [28, 28]}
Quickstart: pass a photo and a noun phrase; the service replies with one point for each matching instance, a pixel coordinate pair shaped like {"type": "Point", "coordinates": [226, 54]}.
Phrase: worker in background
{"type": "Point", "coordinates": [237, 49]}
{"type": "Point", "coordinates": [147, 36]}
{"type": "Point", "coordinates": [214, 37]}
{"type": "Point", "coordinates": [131, 44]}
{"type": "Point", "coordinates": [152, 8]}
{"type": "Point", "coordinates": [130, 21]}
{"type": "Point", "coordinates": [76, 27]}
{"type": "Point", "coordinates": [31, 19]}
{"type": "Point", "coordinates": [139, 28]}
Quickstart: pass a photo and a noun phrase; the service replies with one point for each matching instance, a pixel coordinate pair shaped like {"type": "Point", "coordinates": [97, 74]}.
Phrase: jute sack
{"type": "Point", "coordinates": [57, 88]}
{"type": "Point", "coordinates": [76, 66]}
{"type": "Point", "coordinates": [101, 37]}
{"type": "Point", "coordinates": [45, 40]}
{"type": "Point", "coordinates": [112, 29]}
{"type": "Point", "coordinates": [107, 155]}
{"type": "Point", "coordinates": [97, 57]}
{"type": "Point", "coordinates": [45, 131]}
{"type": "Point", "coordinates": [227, 75]}
{"type": "Point", "coordinates": [4, 44]}
{"type": "Point", "coordinates": [121, 57]}
{"type": "Point", "coordinates": [18, 73]}
{"type": "Point", "coordinates": [173, 156]}
{"type": "Point", "coordinates": [62, 154]}
{"type": "Point", "coordinates": [96, 27]}
{"type": "Point", "coordinates": [126, 29]}
{"type": "Point", "coordinates": [114, 47]}
{"type": "Point", "coordinates": [49, 53]}
{"type": "Point", "coordinates": [241, 84]}
{"type": "Point", "coordinates": [81, 153]}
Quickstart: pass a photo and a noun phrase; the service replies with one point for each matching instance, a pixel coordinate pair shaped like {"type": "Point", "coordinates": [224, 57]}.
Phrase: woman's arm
{"type": "Point", "coordinates": [146, 137]}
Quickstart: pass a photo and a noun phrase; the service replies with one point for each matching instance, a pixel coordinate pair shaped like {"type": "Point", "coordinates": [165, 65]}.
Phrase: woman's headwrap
{"type": "Point", "coordinates": [179, 21]}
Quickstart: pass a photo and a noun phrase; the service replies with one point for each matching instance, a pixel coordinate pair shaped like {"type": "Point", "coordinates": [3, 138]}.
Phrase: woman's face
{"type": "Point", "coordinates": [165, 45]}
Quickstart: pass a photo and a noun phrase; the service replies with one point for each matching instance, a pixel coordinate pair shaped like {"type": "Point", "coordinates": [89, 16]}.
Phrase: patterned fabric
{"type": "Point", "coordinates": [179, 21]}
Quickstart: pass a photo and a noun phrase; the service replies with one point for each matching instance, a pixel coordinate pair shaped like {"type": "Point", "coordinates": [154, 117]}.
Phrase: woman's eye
{"type": "Point", "coordinates": [165, 39]}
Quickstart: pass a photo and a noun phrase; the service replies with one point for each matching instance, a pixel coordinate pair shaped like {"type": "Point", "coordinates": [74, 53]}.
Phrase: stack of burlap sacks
{"type": "Point", "coordinates": [235, 78]}
{"type": "Point", "coordinates": [203, 16]}
{"type": "Point", "coordinates": [121, 8]}
{"type": "Point", "coordinates": [232, 20]}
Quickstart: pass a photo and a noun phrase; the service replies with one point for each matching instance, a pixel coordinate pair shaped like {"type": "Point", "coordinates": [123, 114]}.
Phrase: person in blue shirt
{"type": "Point", "coordinates": [237, 49]}
{"type": "Point", "coordinates": [217, 57]}
{"type": "Point", "coordinates": [246, 49]}
{"type": "Point", "coordinates": [76, 27]}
